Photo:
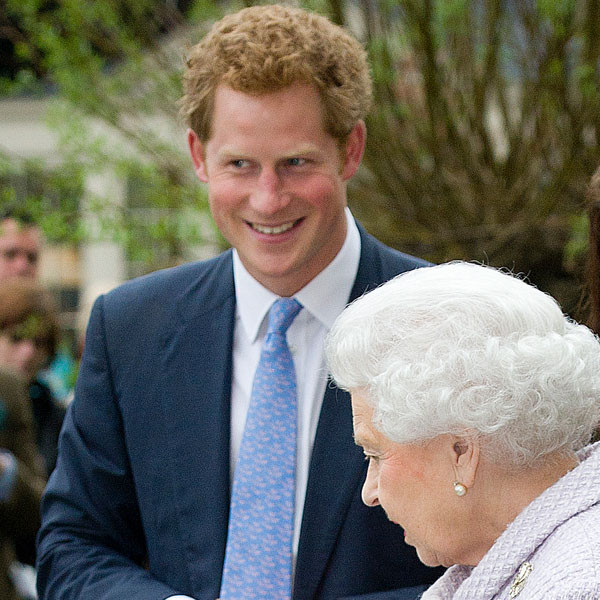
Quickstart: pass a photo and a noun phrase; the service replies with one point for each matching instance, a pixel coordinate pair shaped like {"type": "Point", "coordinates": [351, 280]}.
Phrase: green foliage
{"type": "Point", "coordinates": [485, 128]}
{"type": "Point", "coordinates": [485, 131]}
{"type": "Point", "coordinates": [116, 69]}
{"type": "Point", "coordinates": [576, 247]}
{"type": "Point", "coordinates": [50, 197]}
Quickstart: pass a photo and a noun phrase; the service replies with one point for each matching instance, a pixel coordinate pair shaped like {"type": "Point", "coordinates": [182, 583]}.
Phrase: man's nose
{"type": "Point", "coordinates": [21, 265]}
{"type": "Point", "coordinates": [268, 195]}
{"type": "Point", "coordinates": [370, 490]}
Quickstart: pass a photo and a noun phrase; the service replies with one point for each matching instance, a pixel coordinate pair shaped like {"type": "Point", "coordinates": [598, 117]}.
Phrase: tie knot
{"type": "Point", "coordinates": [282, 313]}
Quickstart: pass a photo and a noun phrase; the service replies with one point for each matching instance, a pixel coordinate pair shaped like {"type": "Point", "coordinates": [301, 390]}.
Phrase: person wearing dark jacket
{"type": "Point", "coordinates": [21, 479]}
{"type": "Point", "coordinates": [29, 335]}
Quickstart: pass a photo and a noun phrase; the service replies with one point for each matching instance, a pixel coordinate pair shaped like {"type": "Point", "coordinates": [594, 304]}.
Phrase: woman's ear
{"type": "Point", "coordinates": [465, 457]}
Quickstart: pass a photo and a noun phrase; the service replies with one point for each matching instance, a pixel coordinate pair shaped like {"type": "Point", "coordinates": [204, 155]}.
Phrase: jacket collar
{"type": "Point", "coordinates": [574, 493]}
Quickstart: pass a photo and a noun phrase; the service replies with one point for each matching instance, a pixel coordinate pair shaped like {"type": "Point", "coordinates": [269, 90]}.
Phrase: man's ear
{"type": "Point", "coordinates": [197, 153]}
{"type": "Point", "coordinates": [354, 148]}
{"type": "Point", "coordinates": [465, 457]}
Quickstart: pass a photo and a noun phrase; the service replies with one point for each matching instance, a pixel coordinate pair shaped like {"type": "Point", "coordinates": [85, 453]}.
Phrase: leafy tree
{"type": "Point", "coordinates": [484, 131]}
{"type": "Point", "coordinates": [115, 70]}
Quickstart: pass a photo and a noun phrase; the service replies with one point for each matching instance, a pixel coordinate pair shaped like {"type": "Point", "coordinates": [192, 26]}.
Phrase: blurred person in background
{"type": "Point", "coordinates": [474, 399]}
{"type": "Point", "coordinates": [593, 262]}
{"type": "Point", "coordinates": [29, 335]}
{"type": "Point", "coordinates": [21, 242]}
{"type": "Point", "coordinates": [20, 245]}
{"type": "Point", "coordinates": [21, 486]}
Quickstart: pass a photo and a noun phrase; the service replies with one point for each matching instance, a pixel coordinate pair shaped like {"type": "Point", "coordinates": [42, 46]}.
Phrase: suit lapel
{"type": "Point", "coordinates": [335, 472]}
{"type": "Point", "coordinates": [197, 367]}
{"type": "Point", "coordinates": [337, 464]}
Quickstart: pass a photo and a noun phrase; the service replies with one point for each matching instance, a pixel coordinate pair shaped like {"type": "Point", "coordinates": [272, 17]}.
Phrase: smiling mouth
{"type": "Point", "coordinates": [273, 230]}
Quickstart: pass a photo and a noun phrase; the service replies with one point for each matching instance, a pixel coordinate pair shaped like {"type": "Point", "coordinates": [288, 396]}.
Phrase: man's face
{"type": "Point", "coordinates": [19, 249]}
{"type": "Point", "coordinates": [277, 182]}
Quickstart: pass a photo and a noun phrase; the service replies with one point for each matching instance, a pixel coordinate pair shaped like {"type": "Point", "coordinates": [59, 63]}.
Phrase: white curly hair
{"type": "Point", "coordinates": [459, 348]}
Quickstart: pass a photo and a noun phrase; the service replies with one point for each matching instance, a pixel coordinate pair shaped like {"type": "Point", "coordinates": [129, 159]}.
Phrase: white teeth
{"type": "Point", "coordinates": [272, 230]}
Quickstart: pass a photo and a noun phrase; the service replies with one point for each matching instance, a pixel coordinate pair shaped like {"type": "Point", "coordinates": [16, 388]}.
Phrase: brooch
{"type": "Point", "coordinates": [519, 581]}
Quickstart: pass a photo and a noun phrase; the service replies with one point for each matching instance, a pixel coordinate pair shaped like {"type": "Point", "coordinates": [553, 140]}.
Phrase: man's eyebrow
{"type": "Point", "coordinates": [226, 153]}
{"type": "Point", "coordinates": [302, 149]}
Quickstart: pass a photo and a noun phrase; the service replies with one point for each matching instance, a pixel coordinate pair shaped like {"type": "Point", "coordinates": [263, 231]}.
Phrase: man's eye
{"type": "Point", "coordinates": [240, 163]}
{"type": "Point", "coordinates": [296, 162]}
{"type": "Point", "coordinates": [10, 254]}
{"type": "Point", "coordinates": [372, 457]}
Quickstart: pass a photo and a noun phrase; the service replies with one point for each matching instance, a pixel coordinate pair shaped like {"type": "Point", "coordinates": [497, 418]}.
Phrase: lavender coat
{"type": "Point", "coordinates": [558, 534]}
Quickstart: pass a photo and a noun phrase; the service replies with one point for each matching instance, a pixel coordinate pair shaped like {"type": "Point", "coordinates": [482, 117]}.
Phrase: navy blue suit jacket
{"type": "Point", "coordinates": [137, 507]}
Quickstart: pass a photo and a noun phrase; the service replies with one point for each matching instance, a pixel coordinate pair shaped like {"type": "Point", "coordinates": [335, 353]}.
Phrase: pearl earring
{"type": "Point", "coordinates": [459, 488]}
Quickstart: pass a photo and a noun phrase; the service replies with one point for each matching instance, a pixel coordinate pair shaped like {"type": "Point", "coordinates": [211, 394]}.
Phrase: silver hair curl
{"type": "Point", "coordinates": [460, 348]}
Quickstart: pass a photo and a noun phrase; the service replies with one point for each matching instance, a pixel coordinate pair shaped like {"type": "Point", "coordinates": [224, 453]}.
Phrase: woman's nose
{"type": "Point", "coordinates": [370, 490]}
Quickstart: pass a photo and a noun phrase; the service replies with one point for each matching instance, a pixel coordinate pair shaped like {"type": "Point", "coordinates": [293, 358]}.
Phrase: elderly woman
{"type": "Point", "coordinates": [473, 398]}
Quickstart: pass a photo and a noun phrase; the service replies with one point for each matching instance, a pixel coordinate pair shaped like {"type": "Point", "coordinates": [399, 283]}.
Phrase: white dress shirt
{"type": "Point", "coordinates": [323, 299]}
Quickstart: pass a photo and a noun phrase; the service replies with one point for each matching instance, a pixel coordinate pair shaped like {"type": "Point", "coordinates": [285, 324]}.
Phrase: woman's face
{"type": "Point", "coordinates": [413, 484]}
{"type": "Point", "coordinates": [23, 349]}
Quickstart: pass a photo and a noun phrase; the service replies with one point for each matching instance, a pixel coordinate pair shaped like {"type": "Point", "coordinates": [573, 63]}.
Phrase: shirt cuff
{"type": "Point", "coordinates": [8, 476]}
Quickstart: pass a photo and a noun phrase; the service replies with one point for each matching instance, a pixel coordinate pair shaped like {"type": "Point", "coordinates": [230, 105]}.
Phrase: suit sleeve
{"type": "Point", "coordinates": [91, 543]}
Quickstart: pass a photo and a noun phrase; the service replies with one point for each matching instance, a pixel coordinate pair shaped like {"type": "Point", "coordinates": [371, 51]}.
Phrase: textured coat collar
{"type": "Point", "coordinates": [522, 542]}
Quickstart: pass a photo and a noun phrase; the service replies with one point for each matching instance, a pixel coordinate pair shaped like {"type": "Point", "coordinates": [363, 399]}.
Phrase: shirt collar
{"type": "Point", "coordinates": [324, 297]}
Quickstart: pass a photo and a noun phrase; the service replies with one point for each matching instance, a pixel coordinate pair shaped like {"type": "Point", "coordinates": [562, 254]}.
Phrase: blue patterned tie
{"type": "Point", "coordinates": [258, 558]}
